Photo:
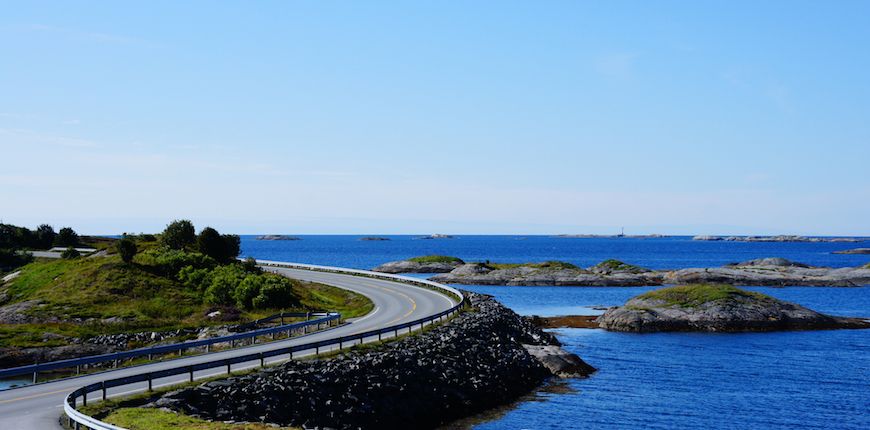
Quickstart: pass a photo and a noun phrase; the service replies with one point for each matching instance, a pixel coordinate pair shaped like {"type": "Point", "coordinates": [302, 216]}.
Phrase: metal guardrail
{"type": "Point", "coordinates": [77, 419]}
{"type": "Point", "coordinates": [34, 369]}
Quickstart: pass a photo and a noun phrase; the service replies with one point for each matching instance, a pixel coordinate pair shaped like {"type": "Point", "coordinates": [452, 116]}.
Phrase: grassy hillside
{"type": "Point", "coordinates": [89, 296]}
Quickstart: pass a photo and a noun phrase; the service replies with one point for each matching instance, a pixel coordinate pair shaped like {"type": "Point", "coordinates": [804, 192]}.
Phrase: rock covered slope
{"type": "Point", "coordinates": [760, 272]}
{"type": "Point", "coordinates": [716, 308]}
{"type": "Point", "coordinates": [483, 358]}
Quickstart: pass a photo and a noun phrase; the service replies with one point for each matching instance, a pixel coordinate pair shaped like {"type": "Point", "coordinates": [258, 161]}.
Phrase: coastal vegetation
{"type": "Point", "coordinates": [546, 265]}
{"type": "Point", "coordinates": [435, 259]}
{"type": "Point", "coordinates": [690, 296]}
{"type": "Point", "coordinates": [146, 285]}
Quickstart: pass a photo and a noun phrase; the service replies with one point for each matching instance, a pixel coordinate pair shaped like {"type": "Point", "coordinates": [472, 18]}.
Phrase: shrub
{"type": "Point", "coordinates": [192, 277]}
{"type": "Point", "coordinates": [179, 234]}
{"type": "Point", "coordinates": [127, 249]}
{"type": "Point", "coordinates": [172, 261]}
{"type": "Point", "coordinates": [70, 253]}
{"type": "Point", "coordinates": [277, 292]}
{"type": "Point", "coordinates": [224, 281]}
{"type": "Point", "coordinates": [66, 237]}
{"type": "Point", "coordinates": [248, 289]}
{"type": "Point", "coordinates": [250, 265]}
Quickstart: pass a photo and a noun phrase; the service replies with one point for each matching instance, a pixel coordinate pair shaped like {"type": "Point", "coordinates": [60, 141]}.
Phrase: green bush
{"type": "Point", "coordinates": [248, 290]}
{"type": "Point", "coordinates": [224, 281]}
{"type": "Point", "coordinates": [70, 253]}
{"type": "Point", "coordinates": [191, 277]}
{"type": "Point", "coordinates": [223, 248]}
{"type": "Point", "coordinates": [127, 249]}
{"type": "Point", "coordinates": [170, 262]}
{"type": "Point", "coordinates": [277, 292]}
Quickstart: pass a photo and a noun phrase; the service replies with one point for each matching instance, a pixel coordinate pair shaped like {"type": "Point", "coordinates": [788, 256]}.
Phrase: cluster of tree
{"type": "Point", "coordinates": [181, 235]}
{"type": "Point", "coordinates": [241, 285]}
{"type": "Point", "coordinates": [15, 239]}
{"type": "Point", "coordinates": [44, 237]}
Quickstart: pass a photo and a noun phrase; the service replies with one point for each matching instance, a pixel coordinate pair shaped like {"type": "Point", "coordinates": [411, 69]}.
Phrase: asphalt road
{"type": "Point", "coordinates": [39, 406]}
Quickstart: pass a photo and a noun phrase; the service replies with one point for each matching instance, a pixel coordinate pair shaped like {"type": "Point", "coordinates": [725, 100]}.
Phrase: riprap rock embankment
{"type": "Point", "coordinates": [483, 358]}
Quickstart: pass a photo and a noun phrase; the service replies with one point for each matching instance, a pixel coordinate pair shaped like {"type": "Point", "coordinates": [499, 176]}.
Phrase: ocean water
{"type": "Point", "coordinates": [812, 379]}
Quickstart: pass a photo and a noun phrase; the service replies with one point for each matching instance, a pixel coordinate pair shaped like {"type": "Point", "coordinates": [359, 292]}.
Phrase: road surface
{"type": "Point", "coordinates": [39, 406]}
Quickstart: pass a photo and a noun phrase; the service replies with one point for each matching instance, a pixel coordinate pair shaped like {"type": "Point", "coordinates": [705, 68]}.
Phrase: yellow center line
{"type": "Point", "coordinates": [33, 396]}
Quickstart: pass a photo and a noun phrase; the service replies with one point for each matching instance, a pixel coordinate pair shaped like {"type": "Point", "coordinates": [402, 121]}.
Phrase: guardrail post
{"type": "Point", "coordinates": [180, 352]}
{"type": "Point", "coordinates": [84, 398]}
{"type": "Point", "coordinates": [317, 350]}
{"type": "Point", "coordinates": [262, 360]}
{"type": "Point", "coordinates": [103, 384]}
{"type": "Point", "coordinates": [233, 343]}
{"type": "Point", "coordinates": [307, 316]}
{"type": "Point", "coordinates": [379, 336]}
{"type": "Point", "coordinates": [78, 369]}
{"type": "Point", "coordinates": [35, 376]}
{"type": "Point", "coordinates": [150, 356]}
{"type": "Point", "coordinates": [228, 368]}
{"type": "Point", "coordinates": [190, 369]}
{"type": "Point", "coordinates": [149, 382]}
{"type": "Point", "coordinates": [207, 348]}
{"type": "Point", "coordinates": [396, 334]}
{"type": "Point", "coordinates": [340, 345]}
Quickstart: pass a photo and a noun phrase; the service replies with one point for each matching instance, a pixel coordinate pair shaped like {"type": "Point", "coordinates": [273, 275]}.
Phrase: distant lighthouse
{"type": "Point", "coordinates": [621, 233]}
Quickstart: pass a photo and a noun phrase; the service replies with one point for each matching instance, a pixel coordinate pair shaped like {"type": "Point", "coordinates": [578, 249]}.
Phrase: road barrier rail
{"type": "Point", "coordinates": [115, 357]}
{"type": "Point", "coordinates": [77, 419]}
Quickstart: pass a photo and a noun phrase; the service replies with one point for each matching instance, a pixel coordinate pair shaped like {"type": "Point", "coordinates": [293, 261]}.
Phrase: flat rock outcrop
{"type": "Point", "coordinates": [477, 361]}
{"type": "Point", "coordinates": [277, 237]}
{"type": "Point", "coordinates": [772, 272]}
{"type": "Point", "coordinates": [608, 273]}
{"type": "Point", "coordinates": [716, 308]}
{"type": "Point", "coordinates": [427, 264]}
{"type": "Point", "coordinates": [853, 251]}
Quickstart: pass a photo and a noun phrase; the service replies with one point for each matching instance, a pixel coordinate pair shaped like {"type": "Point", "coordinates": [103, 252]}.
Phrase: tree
{"type": "Point", "coordinates": [45, 236]}
{"type": "Point", "coordinates": [179, 234]}
{"type": "Point", "coordinates": [127, 249]}
{"type": "Point", "coordinates": [67, 237]}
{"type": "Point", "coordinates": [210, 243]}
{"type": "Point", "coordinates": [223, 248]}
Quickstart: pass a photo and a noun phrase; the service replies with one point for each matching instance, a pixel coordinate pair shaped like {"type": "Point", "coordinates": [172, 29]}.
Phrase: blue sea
{"type": "Point", "coordinates": [813, 379]}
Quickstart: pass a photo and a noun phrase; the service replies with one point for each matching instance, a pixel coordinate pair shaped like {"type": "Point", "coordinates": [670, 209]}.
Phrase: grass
{"type": "Point", "coordinates": [83, 292]}
{"type": "Point", "coordinates": [158, 419]}
{"type": "Point", "coordinates": [546, 265]}
{"type": "Point", "coordinates": [436, 259]}
{"type": "Point", "coordinates": [689, 296]}
{"type": "Point", "coordinates": [612, 265]}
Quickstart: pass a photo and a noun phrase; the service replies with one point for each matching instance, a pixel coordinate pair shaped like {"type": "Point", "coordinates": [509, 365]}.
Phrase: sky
{"type": "Point", "coordinates": [484, 117]}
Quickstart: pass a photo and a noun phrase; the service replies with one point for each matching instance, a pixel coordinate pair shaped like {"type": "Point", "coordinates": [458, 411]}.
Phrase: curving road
{"type": "Point", "coordinates": [39, 406]}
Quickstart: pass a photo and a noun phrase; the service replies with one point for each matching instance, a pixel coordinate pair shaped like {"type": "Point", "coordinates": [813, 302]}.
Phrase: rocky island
{"type": "Point", "coordinates": [773, 272]}
{"type": "Point", "coordinates": [607, 273]}
{"type": "Point", "coordinates": [759, 272]}
{"type": "Point", "coordinates": [424, 264]}
{"type": "Point", "coordinates": [374, 239]}
{"type": "Point", "coordinates": [716, 308]}
{"type": "Point", "coordinates": [780, 238]}
{"type": "Point", "coordinates": [277, 237]}
{"type": "Point", "coordinates": [481, 359]}
{"type": "Point", "coordinates": [853, 251]}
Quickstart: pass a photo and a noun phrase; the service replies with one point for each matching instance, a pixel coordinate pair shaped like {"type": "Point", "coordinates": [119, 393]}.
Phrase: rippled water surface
{"type": "Point", "coordinates": [818, 379]}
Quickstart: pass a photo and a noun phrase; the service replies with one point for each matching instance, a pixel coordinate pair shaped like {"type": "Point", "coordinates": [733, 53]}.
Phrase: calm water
{"type": "Point", "coordinates": [785, 380]}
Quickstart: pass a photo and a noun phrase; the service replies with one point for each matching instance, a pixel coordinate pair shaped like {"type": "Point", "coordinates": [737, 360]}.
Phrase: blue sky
{"type": "Point", "coordinates": [422, 117]}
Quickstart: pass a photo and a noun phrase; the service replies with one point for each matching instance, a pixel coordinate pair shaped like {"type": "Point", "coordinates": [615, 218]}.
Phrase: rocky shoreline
{"type": "Point", "coordinates": [483, 358]}
{"type": "Point", "coordinates": [759, 272]}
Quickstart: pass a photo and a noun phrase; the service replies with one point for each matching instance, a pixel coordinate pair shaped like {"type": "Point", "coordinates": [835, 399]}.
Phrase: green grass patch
{"type": "Point", "coordinates": [546, 265]}
{"type": "Point", "coordinates": [612, 265]}
{"type": "Point", "coordinates": [436, 259]}
{"type": "Point", "coordinates": [698, 294]}
{"type": "Point", "coordinates": [157, 419]}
